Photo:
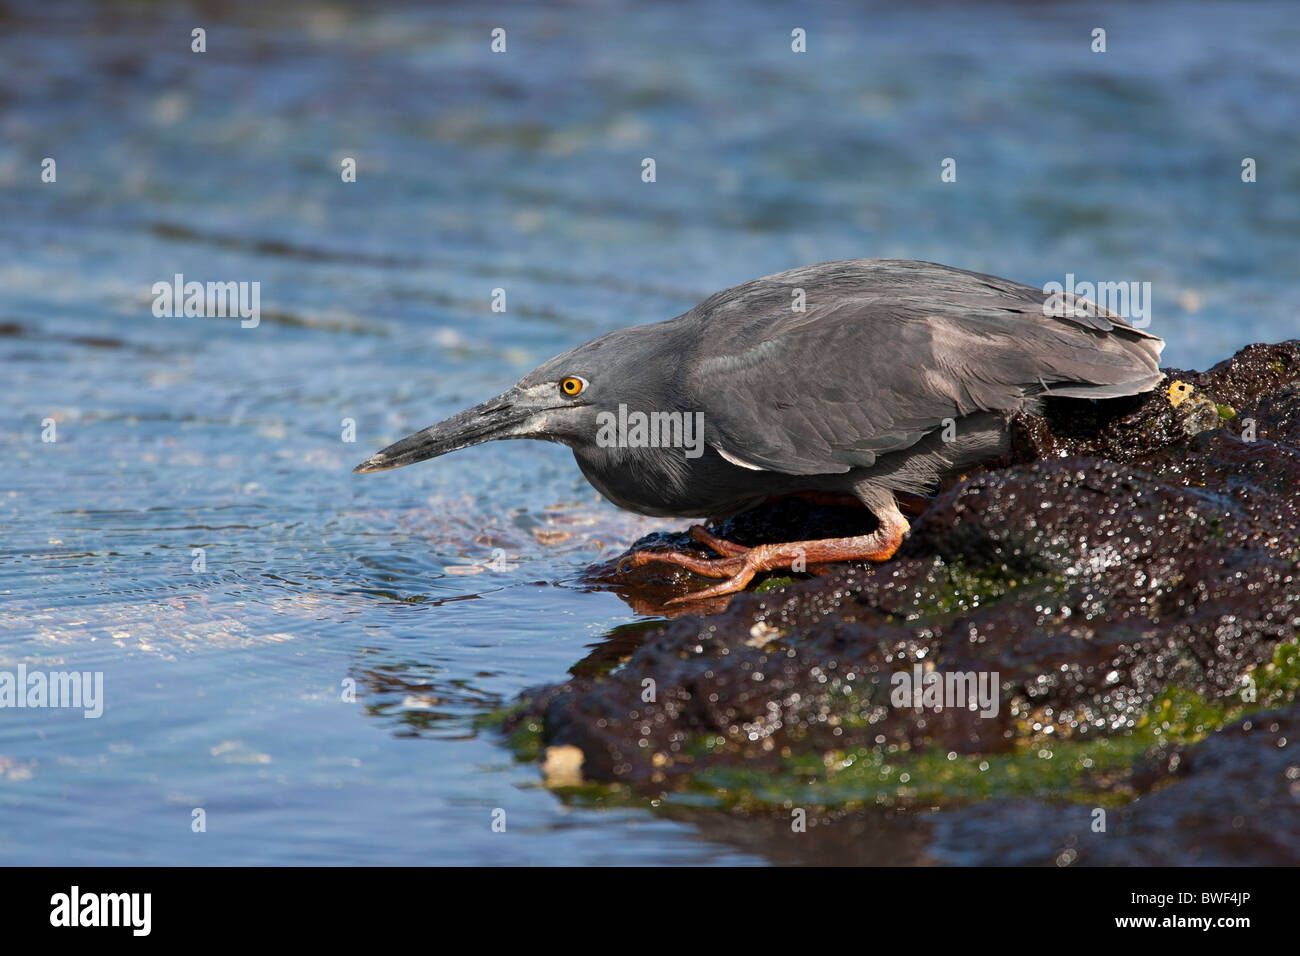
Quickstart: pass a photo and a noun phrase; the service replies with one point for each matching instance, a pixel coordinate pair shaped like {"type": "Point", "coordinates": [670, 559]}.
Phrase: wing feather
{"type": "Point", "coordinates": [884, 353]}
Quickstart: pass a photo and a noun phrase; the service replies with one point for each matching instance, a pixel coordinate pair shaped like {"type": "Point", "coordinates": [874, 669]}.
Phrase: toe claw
{"type": "Point", "coordinates": [720, 545]}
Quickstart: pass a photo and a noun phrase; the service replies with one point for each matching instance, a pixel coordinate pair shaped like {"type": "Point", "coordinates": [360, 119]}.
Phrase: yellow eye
{"type": "Point", "coordinates": [571, 386]}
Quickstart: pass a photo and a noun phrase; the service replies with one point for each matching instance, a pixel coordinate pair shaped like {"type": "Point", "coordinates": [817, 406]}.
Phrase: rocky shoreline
{"type": "Point", "coordinates": [1129, 579]}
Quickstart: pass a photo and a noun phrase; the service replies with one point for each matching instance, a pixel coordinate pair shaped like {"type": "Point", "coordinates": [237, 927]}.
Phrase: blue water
{"type": "Point", "coordinates": [224, 687]}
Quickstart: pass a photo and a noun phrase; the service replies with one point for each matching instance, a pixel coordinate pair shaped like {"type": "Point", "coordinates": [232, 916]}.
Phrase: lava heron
{"type": "Point", "coordinates": [871, 378]}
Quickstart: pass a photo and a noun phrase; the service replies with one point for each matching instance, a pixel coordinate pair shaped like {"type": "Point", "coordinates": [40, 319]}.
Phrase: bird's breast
{"type": "Point", "coordinates": [665, 483]}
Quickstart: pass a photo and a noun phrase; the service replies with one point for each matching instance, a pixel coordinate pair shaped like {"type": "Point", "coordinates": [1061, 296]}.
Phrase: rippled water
{"type": "Point", "coordinates": [223, 687]}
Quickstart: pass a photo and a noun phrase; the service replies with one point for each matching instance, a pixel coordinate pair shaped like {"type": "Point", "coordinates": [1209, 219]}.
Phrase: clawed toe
{"type": "Point", "coordinates": [731, 562]}
{"type": "Point", "coordinates": [708, 567]}
{"type": "Point", "coordinates": [720, 545]}
{"type": "Point", "coordinates": [739, 571]}
{"type": "Point", "coordinates": [732, 585]}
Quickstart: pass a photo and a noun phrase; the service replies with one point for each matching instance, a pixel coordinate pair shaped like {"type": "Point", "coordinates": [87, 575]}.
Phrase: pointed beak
{"type": "Point", "coordinates": [499, 417]}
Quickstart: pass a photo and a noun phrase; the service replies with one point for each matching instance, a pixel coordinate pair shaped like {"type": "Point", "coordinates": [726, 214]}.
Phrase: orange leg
{"type": "Point", "coordinates": [740, 564]}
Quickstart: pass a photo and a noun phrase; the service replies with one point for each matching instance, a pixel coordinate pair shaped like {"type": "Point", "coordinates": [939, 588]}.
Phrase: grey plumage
{"type": "Point", "coordinates": [850, 395]}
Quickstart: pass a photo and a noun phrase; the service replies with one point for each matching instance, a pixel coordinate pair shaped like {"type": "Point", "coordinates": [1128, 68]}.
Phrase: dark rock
{"type": "Point", "coordinates": [1122, 577]}
{"type": "Point", "coordinates": [1233, 801]}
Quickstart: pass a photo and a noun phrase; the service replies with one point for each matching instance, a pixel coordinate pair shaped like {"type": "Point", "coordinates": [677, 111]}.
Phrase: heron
{"type": "Point", "coordinates": [872, 379]}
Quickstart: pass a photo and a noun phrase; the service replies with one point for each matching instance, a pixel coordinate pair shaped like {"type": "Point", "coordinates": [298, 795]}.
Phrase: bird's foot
{"type": "Point", "coordinates": [691, 562]}
{"type": "Point", "coordinates": [740, 564]}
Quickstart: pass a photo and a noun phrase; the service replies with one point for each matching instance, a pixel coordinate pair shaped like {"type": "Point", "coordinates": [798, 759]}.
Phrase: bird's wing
{"type": "Point", "coordinates": [876, 363]}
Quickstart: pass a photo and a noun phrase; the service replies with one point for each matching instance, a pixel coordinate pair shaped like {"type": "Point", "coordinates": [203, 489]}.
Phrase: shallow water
{"type": "Point", "coordinates": [224, 687]}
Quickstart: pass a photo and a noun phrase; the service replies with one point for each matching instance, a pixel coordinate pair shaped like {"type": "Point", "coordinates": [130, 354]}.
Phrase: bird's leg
{"type": "Point", "coordinates": [740, 569]}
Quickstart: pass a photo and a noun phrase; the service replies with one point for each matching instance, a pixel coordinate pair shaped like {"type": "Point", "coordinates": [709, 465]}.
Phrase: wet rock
{"type": "Point", "coordinates": [1234, 800]}
{"type": "Point", "coordinates": [1127, 429]}
{"type": "Point", "coordinates": [1126, 584]}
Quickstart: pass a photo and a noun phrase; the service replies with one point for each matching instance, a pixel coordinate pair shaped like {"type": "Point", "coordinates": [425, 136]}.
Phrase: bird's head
{"type": "Point", "coordinates": [558, 401]}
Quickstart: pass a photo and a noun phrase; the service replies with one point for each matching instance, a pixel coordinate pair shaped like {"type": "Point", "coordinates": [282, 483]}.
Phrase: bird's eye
{"type": "Point", "coordinates": [572, 386]}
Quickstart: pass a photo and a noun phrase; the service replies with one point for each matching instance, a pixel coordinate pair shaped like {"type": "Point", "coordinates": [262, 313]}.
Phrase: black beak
{"type": "Point", "coordinates": [495, 418]}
